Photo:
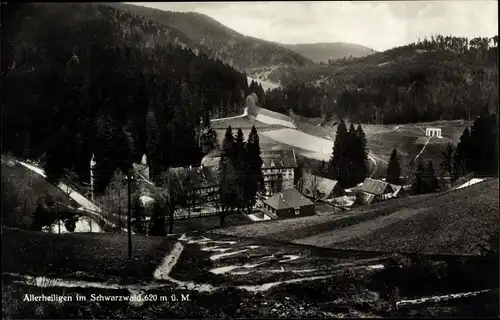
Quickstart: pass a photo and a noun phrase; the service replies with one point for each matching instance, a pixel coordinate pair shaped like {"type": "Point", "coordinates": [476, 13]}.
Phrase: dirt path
{"type": "Point", "coordinates": [87, 205]}
{"type": "Point", "coordinates": [359, 230]}
{"type": "Point", "coordinates": [441, 298]}
{"type": "Point", "coordinates": [423, 148]}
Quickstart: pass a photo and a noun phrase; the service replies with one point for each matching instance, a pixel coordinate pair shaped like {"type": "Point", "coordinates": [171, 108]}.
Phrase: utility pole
{"type": "Point", "coordinates": [92, 165]}
{"type": "Point", "coordinates": [58, 217]}
{"type": "Point", "coordinates": [129, 219]}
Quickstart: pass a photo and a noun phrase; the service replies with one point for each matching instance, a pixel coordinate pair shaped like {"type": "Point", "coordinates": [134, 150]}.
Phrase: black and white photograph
{"type": "Point", "coordinates": [225, 160]}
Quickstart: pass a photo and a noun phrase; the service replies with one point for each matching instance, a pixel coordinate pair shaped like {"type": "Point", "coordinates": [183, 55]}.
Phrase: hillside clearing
{"type": "Point", "coordinates": [302, 227]}
{"type": "Point", "coordinates": [457, 222]}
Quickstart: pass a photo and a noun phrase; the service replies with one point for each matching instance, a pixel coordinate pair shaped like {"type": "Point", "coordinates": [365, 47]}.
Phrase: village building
{"type": "Point", "coordinates": [376, 190]}
{"type": "Point", "coordinates": [201, 185]}
{"type": "Point", "coordinates": [433, 132]}
{"type": "Point", "coordinates": [320, 189]}
{"type": "Point", "coordinates": [288, 204]}
{"type": "Point", "coordinates": [278, 170]}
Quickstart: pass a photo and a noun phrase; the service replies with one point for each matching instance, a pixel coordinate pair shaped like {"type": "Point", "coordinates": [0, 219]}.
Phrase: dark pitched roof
{"type": "Point", "coordinates": [278, 159]}
{"type": "Point", "coordinates": [323, 185]}
{"type": "Point", "coordinates": [376, 187]}
{"type": "Point", "coordinates": [288, 199]}
{"type": "Point", "coordinates": [199, 177]}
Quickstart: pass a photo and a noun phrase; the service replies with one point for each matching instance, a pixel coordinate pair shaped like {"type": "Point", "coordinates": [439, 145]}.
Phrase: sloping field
{"type": "Point", "coordinates": [301, 140]}
{"type": "Point", "coordinates": [243, 122]}
{"type": "Point", "coordinates": [22, 189]}
{"type": "Point", "coordinates": [456, 222]}
{"type": "Point", "coordinates": [303, 227]}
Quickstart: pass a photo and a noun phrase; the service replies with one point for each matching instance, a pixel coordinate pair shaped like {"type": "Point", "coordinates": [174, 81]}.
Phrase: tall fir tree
{"type": "Point", "coordinates": [394, 169]}
{"type": "Point", "coordinates": [255, 181]}
{"type": "Point", "coordinates": [339, 161]}
{"type": "Point", "coordinates": [153, 150]}
{"type": "Point", "coordinates": [227, 177]}
{"type": "Point", "coordinates": [240, 165]}
{"type": "Point", "coordinates": [461, 158]}
{"type": "Point", "coordinates": [362, 158]}
{"type": "Point", "coordinates": [483, 153]}
{"type": "Point", "coordinates": [353, 155]}
{"type": "Point", "coordinates": [418, 176]}
{"type": "Point", "coordinates": [431, 183]}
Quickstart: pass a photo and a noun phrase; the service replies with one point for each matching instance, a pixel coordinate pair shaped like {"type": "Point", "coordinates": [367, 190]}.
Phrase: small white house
{"type": "Point", "coordinates": [433, 132]}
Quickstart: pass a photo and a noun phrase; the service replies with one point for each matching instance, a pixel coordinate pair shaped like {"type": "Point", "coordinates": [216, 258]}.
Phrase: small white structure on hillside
{"type": "Point", "coordinates": [433, 132]}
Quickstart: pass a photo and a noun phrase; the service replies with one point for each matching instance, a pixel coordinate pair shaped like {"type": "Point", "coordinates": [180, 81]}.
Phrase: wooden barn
{"type": "Point", "coordinates": [376, 190]}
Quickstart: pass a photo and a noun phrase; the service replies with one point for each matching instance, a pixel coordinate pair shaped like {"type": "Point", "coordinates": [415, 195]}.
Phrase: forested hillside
{"type": "Point", "coordinates": [86, 78]}
{"type": "Point", "coordinates": [443, 78]}
{"type": "Point", "coordinates": [226, 44]}
{"type": "Point", "coordinates": [324, 52]}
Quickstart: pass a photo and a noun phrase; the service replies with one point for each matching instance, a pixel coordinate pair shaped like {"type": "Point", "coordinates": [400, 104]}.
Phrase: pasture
{"type": "Point", "coordinates": [314, 141]}
{"type": "Point", "coordinates": [22, 189]}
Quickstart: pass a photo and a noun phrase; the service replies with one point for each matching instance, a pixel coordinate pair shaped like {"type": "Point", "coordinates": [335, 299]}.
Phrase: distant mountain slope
{"type": "Point", "coordinates": [322, 52]}
{"type": "Point", "coordinates": [447, 78]}
{"type": "Point", "coordinates": [230, 46]}
{"type": "Point", "coordinates": [93, 76]}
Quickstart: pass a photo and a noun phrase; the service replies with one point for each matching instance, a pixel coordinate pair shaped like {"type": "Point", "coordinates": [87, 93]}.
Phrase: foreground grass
{"type": "Point", "coordinates": [294, 300]}
{"type": "Point", "coordinates": [303, 227]}
{"type": "Point", "coordinates": [78, 255]}
{"type": "Point", "coordinates": [209, 223]}
{"type": "Point", "coordinates": [457, 222]}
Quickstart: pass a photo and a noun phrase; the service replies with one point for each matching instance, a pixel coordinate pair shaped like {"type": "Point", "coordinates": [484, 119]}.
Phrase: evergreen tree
{"type": "Point", "coordinates": [418, 177]}
{"type": "Point", "coordinates": [208, 140]}
{"type": "Point", "coordinates": [113, 151]}
{"type": "Point", "coordinates": [241, 166]}
{"type": "Point", "coordinates": [483, 152]}
{"type": "Point", "coordinates": [157, 225]}
{"type": "Point", "coordinates": [461, 158]}
{"type": "Point", "coordinates": [339, 162]}
{"type": "Point", "coordinates": [431, 183]}
{"type": "Point", "coordinates": [447, 155]}
{"type": "Point", "coordinates": [153, 150]}
{"type": "Point", "coordinates": [362, 155]}
{"type": "Point", "coordinates": [255, 182]}
{"type": "Point", "coordinates": [352, 149]}
{"type": "Point", "coordinates": [227, 176]}
{"type": "Point", "coordinates": [393, 169]}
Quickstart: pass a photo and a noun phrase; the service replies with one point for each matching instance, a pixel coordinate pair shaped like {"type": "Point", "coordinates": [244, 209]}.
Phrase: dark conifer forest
{"type": "Point", "coordinates": [442, 78]}
{"type": "Point", "coordinates": [80, 79]}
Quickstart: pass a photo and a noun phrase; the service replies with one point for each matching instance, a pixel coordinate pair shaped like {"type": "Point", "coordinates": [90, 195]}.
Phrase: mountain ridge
{"type": "Point", "coordinates": [325, 51]}
{"type": "Point", "coordinates": [240, 50]}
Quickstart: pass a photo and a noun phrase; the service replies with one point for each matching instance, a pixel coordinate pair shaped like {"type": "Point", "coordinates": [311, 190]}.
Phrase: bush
{"type": "Point", "coordinates": [360, 198]}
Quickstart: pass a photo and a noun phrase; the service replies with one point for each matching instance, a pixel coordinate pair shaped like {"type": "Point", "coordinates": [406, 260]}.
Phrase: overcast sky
{"type": "Point", "coordinates": [376, 24]}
